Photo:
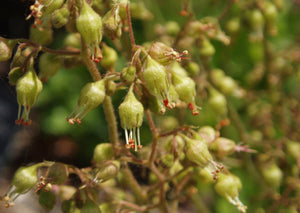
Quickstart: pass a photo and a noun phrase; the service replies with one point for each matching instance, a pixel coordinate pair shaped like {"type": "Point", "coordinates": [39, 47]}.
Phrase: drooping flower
{"type": "Point", "coordinates": [89, 25]}
{"type": "Point", "coordinates": [28, 88]}
{"type": "Point", "coordinates": [131, 113]}
{"type": "Point", "coordinates": [91, 96]}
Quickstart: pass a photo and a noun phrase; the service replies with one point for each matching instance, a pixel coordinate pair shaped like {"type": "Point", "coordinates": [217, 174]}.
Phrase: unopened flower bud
{"type": "Point", "coordinates": [222, 147]}
{"type": "Point", "coordinates": [42, 35]}
{"type": "Point", "coordinates": [131, 113]}
{"type": "Point", "coordinates": [49, 65]}
{"type": "Point", "coordinates": [89, 25]}
{"type": "Point", "coordinates": [217, 102]}
{"type": "Point", "coordinates": [128, 74]}
{"type": "Point", "coordinates": [233, 25]}
{"type": "Point", "coordinates": [164, 54]}
{"type": "Point", "coordinates": [156, 80]}
{"type": "Point", "coordinates": [185, 88]}
{"type": "Point", "coordinates": [110, 57]}
{"type": "Point", "coordinates": [206, 49]}
{"type": "Point", "coordinates": [112, 25]}
{"type": "Point", "coordinates": [172, 28]}
{"type": "Point", "coordinates": [108, 170]}
{"type": "Point", "coordinates": [91, 96]}
{"type": "Point", "coordinates": [59, 17]}
{"type": "Point", "coordinates": [138, 10]}
{"type": "Point", "coordinates": [293, 149]}
{"type": "Point", "coordinates": [256, 19]}
{"type": "Point", "coordinates": [102, 152]}
{"type": "Point", "coordinates": [229, 186]}
{"type": "Point", "coordinates": [272, 175]}
{"type": "Point", "coordinates": [72, 40]}
{"type": "Point", "coordinates": [192, 68]}
{"type": "Point", "coordinates": [6, 48]}
{"type": "Point", "coordinates": [28, 88]}
{"type": "Point", "coordinates": [207, 133]}
{"type": "Point", "coordinates": [224, 83]}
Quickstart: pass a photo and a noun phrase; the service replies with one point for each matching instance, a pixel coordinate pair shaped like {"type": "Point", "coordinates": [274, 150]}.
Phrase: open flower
{"type": "Point", "coordinates": [28, 88]}
{"type": "Point", "coordinates": [91, 96]}
{"type": "Point", "coordinates": [131, 113]}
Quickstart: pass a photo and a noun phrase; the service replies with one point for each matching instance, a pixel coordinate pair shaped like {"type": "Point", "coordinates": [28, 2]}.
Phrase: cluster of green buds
{"type": "Point", "coordinates": [28, 88]}
{"type": "Point", "coordinates": [89, 25]}
{"type": "Point", "coordinates": [91, 96]}
{"type": "Point", "coordinates": [229, 186]}
{"type": "Point", "coordinates": [131, 113]}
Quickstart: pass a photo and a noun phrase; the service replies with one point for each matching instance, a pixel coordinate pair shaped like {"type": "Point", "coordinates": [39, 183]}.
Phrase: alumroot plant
{"type": "Point", "coordinates": [203, 99]}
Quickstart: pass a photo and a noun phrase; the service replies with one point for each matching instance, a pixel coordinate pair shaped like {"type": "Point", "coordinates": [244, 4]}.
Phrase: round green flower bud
{"type": "Point", "coordinates": [109, 59]}
{"type": "Point", "coordinates": [293, 149]}
{"type": "Point", "coordinates": [206, 49]}
{"type": "Point", "coordinates": [172, 28]}
{"type": "Point", "coordinates": [42, 35]}
{"type": "Point", "coordinates": [28, 88]}
{"type": "Point", "coordinates": [49, 65]}
{"type": "Point", "coordinates": [112, 24]}
{"type": "Point", "coordinates": [222, 147]}
{"type": "Point", "coordinates": [6, 48]}
{"type": "Point", "coordinates": [207, 133]}
{"type": "Point", "coordinates": [156, 80]}
{"type": "Point", "coordinates": [217, 102]}
{"type": "Point", "coordinates": [229, 186]}
{"type": "Point", "coordinates": [25, 179]}
{"type": "Point", "coordinates": [131, 113]}
{"type": "Point", "coordinates": [270, 12]}
{"type": "Point", "coordinates": [256, 19]}
{"type": "Point", "coordinates": [272, 175]}
{"type": "Point", "coordinates": [102, 152]}
{"type": "Point", "coordinates": [192, 68]}
{"type": "Point", "coordinates": [91, 96]}
{"type": "Point", "coordinates": [89, 25]}
{"type": "Point", "coordinates": [128, 74]}
{"type": "Point", "coordinates": [233, 25]}
{"type": "Point", "coordinates": [108, 170]}
{"type": "Point", "coordinates": [59, 17]}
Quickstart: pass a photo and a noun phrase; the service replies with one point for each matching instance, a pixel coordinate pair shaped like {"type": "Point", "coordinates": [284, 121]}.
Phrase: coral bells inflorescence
{"type": "Point", "coordinates": [131, 113]}
{"type": "Point", "coordinates": [28, 88]}
{"type": "Point", "coordinates": [91, 96]}
{"type": "Point", "coordinates": [89, 25]}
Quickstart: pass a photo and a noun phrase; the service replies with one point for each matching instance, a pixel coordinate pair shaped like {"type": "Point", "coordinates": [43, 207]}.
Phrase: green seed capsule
{"type": "Point", "coordinates": [102, 152]}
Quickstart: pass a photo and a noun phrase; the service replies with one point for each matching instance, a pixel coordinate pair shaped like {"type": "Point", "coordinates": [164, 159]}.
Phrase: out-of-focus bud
{"type": "Point", "coordinates": [72, 40]}
{"type": "Point", "coordinates": [110, 87]}
{"type": "Point", "coordinates": [206, 48]}
{"type": "Point", "coordinates": [233, 25]}
{"type": "Point", "coordinates": [138, 10]}
{"type": "Point", "coordinates": [112, 25]}
{"type": "Point", "coordinates": [224, 83]}
{"type": "Point", "coordinates": [49, 65]}
{"type": "Point", "coordinates": [89, 25]}
{"type": "Point", "coordinates": [207, 133]}
{"type": "Point", "coordinates": [156, 80]}
{"type": "Point", "coordinates": [131, 113]}
{"type": "Point", "coordinates": [102, 152]}
{"type": "Point", "coordinates": [128, 74]}
{"type": "Point", "coordinates": [110, 57]}
{"type": "Point", "coordinates": [28, 88]}
{"type": "Point", "coordinates": [222, 147]}
{"type": "Point", "coordinates": [256, 22]}
{"type": "Point", "coordinates": [270, 13]}
{"type": "Point", "coordinates": [59, 17]}
{"type": "Point", "coordinates": [167, 160]}
{"type": "Point", "coordinates": [42, 34]}
{"type": "Point", "coordinates": [272, 175]}
{"type": "Point", "coordinates": [164, 54]}
{"type": "Point", "coordinates": [293, 149]}
{"type": "Point", "coordinates": [192, 68]}
{"type": "Point", "coordinates": [108, 170]}
{"type": "Point", "coordinates": [6, 48]}
{"type": "Point", "coordinates": [172, 28]}
{"type": "Point", "coordinates": [91, 96]}
{"type": "Point", "coordinates": [229, 186]}
{"type": "Point", "coordinates": [217, 102]}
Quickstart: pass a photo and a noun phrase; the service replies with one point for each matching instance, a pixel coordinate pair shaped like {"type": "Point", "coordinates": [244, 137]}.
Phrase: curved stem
{"type": "Point", "coordinates": [132, 40]}
{"type": "Point", "coordinates": [154, 134]}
